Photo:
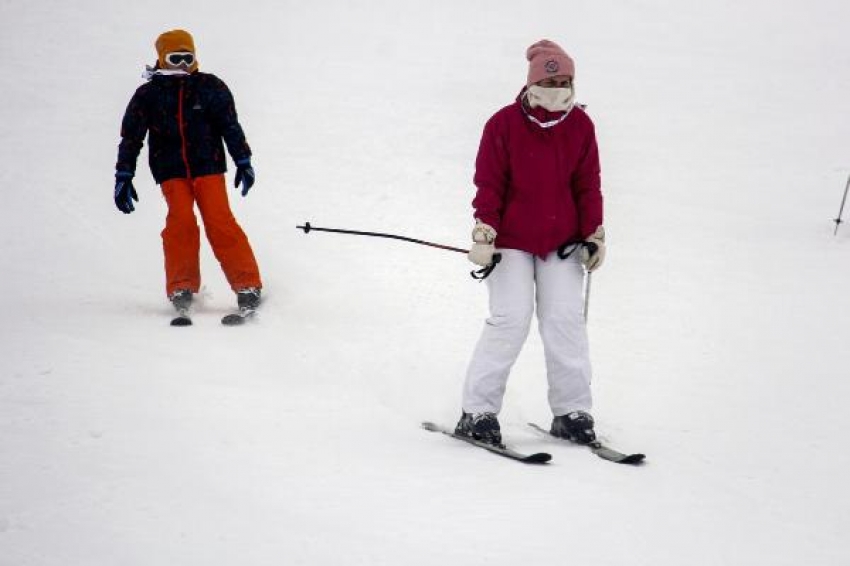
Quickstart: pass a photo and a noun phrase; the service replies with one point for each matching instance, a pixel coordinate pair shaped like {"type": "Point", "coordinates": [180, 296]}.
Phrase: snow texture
{"type": "Point", "coordinates": [718, 326]}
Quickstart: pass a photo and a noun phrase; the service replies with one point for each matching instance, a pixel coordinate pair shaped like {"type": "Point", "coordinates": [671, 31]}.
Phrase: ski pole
{"type": "Point", "coordinates": [479, 274]}
{"type": "Point", "coordinates": [838, 220]}
{"type": "Point", "coordinates": [587, 295]}
{"type": "Point", "coordinates": [307, 228]}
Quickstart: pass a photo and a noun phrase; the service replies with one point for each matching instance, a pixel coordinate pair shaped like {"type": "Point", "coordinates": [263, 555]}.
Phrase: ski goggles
{"type": "Point", "coordinates": [180, 57]}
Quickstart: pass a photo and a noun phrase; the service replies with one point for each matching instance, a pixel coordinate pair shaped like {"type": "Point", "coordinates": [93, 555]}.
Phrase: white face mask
{"type": "Point", "coordinates": [552, 99]}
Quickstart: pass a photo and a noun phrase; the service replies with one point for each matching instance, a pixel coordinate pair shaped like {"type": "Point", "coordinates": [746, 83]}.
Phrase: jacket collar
{"type": "Point", "coordinates": [155, 71]}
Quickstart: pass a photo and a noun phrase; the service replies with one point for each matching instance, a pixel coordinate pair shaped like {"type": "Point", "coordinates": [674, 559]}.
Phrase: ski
{"type": "Point", "coordinates": [183, 318]}
{"type": "Point", "coordinates": [599, 449]}
{"type": "Point", "coordinates": [239, 317]}
{"type": "Point", "coordinates": [536, 458]}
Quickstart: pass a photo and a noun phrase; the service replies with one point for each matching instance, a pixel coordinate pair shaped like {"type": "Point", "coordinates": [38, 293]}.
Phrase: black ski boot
{"type": "Point", "coordinates": [464, 425]}
{"type": "Point", "coordinates": [483, 427]}
{"type": "Point", "coordinates": [181, 299]}
{"type": "Point", "coordinates": [248, 298]}
{"type": "Point", "coordinates": [576, 427]}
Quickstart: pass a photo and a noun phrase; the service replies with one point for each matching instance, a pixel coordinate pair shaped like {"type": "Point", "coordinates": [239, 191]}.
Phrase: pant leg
{"type": "Point", "coordinates": [511, 287]}
{"type": "Point", "coordinates": [228, 241]}
{"type": "Point", "coordinates": [562, 328]}
{"type": "Point", "coordinates": [181, 237]}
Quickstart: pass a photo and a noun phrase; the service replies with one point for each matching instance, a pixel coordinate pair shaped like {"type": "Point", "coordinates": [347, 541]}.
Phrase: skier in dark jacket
{"type": "Point", "coordinates": [186, 114]}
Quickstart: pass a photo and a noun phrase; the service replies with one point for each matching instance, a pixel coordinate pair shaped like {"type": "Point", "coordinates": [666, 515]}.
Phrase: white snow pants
{"type": "Point", "coordinates": [559, 286]}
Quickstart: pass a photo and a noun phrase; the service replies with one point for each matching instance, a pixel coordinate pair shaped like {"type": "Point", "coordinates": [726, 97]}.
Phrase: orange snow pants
{"type": "Point", "coordinates": [181, 236]}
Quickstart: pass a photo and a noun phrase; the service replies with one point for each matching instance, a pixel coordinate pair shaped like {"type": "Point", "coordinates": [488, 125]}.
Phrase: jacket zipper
{"type": "Point", "coordinates": [184, 152]}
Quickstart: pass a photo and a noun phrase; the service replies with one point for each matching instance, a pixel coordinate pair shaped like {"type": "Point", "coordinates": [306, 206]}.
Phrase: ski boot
{"type": "Point", "coordinates": [576, 426]}
{"type": "Point", "coordinates": [483, 427]}
{"type": "Point", "coordinates": [248, 298]}
{"type": "Point", "coordinates": [181, 299]}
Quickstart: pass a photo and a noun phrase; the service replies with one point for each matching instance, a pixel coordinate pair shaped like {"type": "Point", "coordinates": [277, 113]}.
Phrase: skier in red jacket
{"type": "Point", "coordinates": [539, 203]}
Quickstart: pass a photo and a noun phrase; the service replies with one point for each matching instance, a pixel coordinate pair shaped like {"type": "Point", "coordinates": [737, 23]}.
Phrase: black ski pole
{"type": "Point", "coordinates": [838, 220]}
{"type": "Point", "coordinates": [479, 274]}
{"type": "Point", "coordinates": [307, 228]}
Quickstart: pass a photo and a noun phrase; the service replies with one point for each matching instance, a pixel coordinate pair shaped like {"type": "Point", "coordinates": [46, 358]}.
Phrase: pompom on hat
{"type": "Point", "coordinates": [175, 40]}
{"type": "Point", "coordinates": [547, 59]}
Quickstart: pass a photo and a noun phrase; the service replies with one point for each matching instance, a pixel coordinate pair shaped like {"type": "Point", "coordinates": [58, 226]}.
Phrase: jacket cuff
{"type": "Point", "coordinates": [491, 220]}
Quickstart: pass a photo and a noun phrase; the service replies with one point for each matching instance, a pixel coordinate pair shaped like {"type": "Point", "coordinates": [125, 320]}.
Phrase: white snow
{"type": "Point", "coordinates": [719, 324]}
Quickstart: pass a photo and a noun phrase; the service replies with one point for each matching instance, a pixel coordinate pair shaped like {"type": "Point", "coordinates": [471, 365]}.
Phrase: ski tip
{"type": "Point", "coordinates": [618, 457]}
{"type": "Point", "coordinates": [538, 458]}
{"type": "Point", "coordinates": [239, 317]}
{"type": "Point", "coordinates": [233, 320]}
{"type": "Point", "coordinates": [427, 425]}
{"type": "Point", "coordinates": [633, 459]}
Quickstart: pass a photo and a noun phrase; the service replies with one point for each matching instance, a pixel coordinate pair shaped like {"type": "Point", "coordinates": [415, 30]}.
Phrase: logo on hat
{"type": "Point", "coordinates": [551, 66]}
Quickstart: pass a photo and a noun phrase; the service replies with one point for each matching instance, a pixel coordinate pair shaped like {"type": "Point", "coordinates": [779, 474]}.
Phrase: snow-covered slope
{"type": "Point", "coordinates": [718, 324]}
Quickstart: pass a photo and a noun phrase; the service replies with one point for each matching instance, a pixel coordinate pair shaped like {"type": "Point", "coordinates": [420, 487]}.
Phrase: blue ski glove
{"type": "Point", "coordinates": [125, 194]}
{"type": "Point", "coordinates": [244, 175]}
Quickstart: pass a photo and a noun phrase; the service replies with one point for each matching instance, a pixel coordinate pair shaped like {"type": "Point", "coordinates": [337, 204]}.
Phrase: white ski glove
{"type": "Point", "coordinates": [593, 250]}
{"type": "Point", "coordinates": [483, 236]}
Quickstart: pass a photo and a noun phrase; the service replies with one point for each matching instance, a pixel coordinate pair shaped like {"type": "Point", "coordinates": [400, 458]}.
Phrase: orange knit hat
{"type": "Point", "coordinates": [175, 40]}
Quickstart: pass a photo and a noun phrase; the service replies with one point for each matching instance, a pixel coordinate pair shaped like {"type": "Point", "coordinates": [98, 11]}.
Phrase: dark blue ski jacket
{"type": "Point", "coordinates": [185, 117]}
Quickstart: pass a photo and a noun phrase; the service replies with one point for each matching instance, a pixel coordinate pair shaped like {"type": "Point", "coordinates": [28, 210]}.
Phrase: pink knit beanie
{"type": "Point", "coordinates": [547, 59]}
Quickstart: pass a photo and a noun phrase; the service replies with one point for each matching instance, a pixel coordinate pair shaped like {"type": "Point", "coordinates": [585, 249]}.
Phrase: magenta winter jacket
{"type": "Point", "coordinates": [538, 187]}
